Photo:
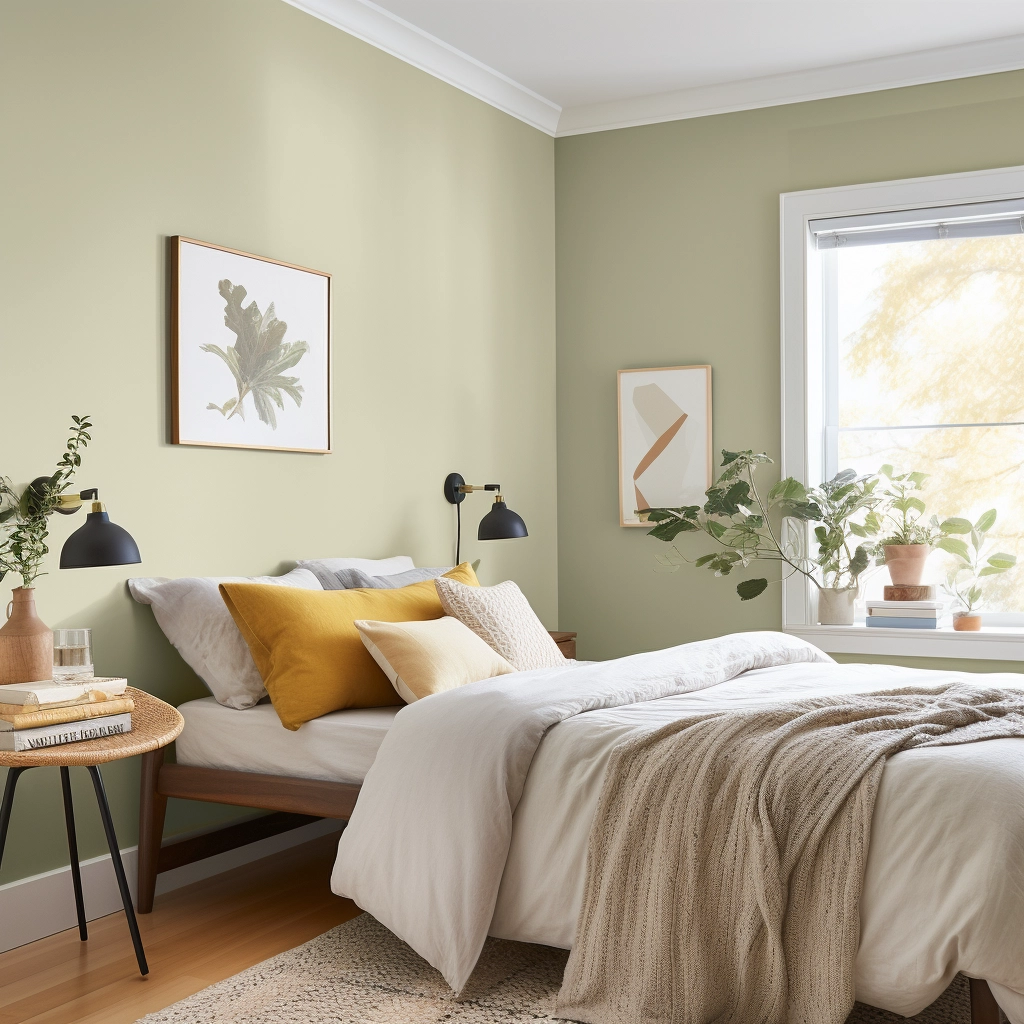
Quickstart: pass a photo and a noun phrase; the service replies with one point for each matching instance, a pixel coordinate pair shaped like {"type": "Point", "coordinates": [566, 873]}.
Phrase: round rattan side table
{"type": "Point", "coordinates": [154, 725]}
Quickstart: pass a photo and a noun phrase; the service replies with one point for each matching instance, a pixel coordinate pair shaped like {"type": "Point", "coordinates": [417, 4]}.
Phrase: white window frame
{"type": "Point", "coordinates": [805, 417]}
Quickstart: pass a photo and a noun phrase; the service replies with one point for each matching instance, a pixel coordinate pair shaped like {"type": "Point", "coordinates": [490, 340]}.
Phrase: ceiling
{"type": "Point", "coordinates": [587, 65]}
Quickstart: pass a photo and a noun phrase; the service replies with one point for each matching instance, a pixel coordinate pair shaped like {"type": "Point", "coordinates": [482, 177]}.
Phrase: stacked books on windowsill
{"type": "Point", "coordinates": [49, 714]}
{"type": "Point", "coordinates": [904, 614]}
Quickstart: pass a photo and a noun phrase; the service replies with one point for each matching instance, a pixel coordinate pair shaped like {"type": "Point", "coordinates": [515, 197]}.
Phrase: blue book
{"type": "Point", "coordinates": [903, 622]}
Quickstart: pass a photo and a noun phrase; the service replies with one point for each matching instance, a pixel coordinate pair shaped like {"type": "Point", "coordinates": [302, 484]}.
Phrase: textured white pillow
{"type": "Point", "coordinates": [195, 619]}
{"type": "Point", "coordinates": [502, 617]}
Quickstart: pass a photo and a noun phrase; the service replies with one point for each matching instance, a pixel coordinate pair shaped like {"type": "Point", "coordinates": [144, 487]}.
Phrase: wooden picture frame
{"type": "Point", "coordinates": [665, 437]}
{"type": "Point", "coordinates": [226, 334]}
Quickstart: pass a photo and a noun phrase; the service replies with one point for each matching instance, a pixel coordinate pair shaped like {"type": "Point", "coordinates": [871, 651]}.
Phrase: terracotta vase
{"type": "Point", "coordinates": [967, 623]}
{"type": "Point", "coordinates": [26, 642]}
{"type": "Point", "coordinates": [835, 606]}
{"type": "Point", "coordinates": [906, 563]}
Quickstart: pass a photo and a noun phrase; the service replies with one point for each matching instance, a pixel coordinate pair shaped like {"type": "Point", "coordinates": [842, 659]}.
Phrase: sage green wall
{"type": "Point", "coordinates": [253, 125]}
{"type": "Point", "coordinates": [668, 254]}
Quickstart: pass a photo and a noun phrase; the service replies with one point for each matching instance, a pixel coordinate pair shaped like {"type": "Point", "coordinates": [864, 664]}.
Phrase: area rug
{"type": "Point", "coordinates": [359, 973]}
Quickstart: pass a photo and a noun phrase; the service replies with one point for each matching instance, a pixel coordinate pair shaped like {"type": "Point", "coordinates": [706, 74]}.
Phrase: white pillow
{"type": "Point", "coordinates": [195, 619]}
{"type": "Point", "coordinates": [371, 566]}
{"type": "Point", "coordinates": [502, 617]}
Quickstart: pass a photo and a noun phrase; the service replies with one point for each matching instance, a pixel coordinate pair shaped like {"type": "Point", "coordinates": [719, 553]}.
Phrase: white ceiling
{"type": "Point", "coordinates": [584, 65]}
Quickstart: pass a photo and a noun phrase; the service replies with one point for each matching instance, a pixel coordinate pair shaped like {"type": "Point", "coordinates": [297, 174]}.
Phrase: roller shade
{"type": "Point", "coordinates": [973, 220]}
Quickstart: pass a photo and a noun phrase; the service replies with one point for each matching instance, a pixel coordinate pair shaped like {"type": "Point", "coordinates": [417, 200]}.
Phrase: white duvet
{"type": "Point", "coordinates": [474, 817]}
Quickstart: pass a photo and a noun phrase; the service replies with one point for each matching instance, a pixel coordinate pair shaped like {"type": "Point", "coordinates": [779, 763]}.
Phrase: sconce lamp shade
{"type": "Point", "coordinates": [99, 542]}
{"type": "Point", "coordinates": [501, 523]}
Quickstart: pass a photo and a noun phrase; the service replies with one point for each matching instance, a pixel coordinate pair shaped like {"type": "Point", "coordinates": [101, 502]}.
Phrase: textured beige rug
{"type": "Point", "coordinates": [359, 973]}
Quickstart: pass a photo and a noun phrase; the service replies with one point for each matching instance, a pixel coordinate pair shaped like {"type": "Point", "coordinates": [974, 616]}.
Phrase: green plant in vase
{"type": "Point", "coordinates": [26, 644]}
{"type": "Point", "coordinates": [964, 578]}
{"type": "Point", "coordinates": [748, 528]}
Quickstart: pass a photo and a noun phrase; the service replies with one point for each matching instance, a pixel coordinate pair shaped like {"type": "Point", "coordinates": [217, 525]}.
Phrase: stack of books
{"type": "Point", "coordinates": [904, 614]}
{"type": "Point", "coordinates": [48, 714]}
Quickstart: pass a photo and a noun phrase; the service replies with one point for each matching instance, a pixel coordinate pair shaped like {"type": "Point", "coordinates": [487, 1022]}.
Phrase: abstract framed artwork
{"type": "Point", "coordinates": [250, 350]}
{"type": "Point", "coordinates": [665, 458]}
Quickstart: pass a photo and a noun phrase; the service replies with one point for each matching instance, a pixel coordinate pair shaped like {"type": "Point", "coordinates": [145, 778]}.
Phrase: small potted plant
{"type": "Point", "coordinates": [963, 580]}
{"type": "Point", "coordinates": [747, 528]}
{"type": "Point", "coordinates": [26, 642]}
{"type": "Point", "coordinates": [906, 549]}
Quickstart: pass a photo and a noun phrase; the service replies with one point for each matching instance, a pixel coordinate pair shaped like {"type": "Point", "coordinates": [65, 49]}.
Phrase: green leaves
{"type": "Point", "coordinates": [749, 589]}
{"type": "Point", "coordinates": [23, 517]}
{"type": "Point", "coordinates": [672, 521]}
{"type": "Point", "coordinates": [258, 358]}
{"type": "Point", "coordinates": [985, 523]}
{"type": "Point", "coordinates": [727, 501]}
{"type": "Point", "coordinates": [955, 547]}
{"type": "Point", "coordinates": [955, 525]}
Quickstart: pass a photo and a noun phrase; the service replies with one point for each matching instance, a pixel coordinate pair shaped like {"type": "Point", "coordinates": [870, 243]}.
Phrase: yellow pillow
{"type": "Point", "coordinates": [309, 652]}
{"type": "Point", "coordinates": [422, 658]}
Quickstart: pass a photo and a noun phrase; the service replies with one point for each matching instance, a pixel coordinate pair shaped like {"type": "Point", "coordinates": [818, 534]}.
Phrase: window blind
{"type": "Point", "coordinates": [971, 220]}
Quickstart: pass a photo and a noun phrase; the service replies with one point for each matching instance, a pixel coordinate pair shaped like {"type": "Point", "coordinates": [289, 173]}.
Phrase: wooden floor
{"type": "Point", "coordinates": [194, 937]}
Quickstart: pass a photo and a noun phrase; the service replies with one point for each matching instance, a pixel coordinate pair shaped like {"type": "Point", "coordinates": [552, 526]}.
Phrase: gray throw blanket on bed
{"type": "Point", "coordinates": [727, 856]}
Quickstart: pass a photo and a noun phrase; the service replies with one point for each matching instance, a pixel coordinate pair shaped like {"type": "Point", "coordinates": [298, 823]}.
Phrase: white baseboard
{"type": "Point", "coordinates": [40, 905]}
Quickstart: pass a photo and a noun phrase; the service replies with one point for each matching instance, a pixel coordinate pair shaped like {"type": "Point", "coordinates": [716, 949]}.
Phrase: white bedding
{"type": "Point", "coordinates": [339, 747]}
{"type": "Point", "coordinates": [944, 890]}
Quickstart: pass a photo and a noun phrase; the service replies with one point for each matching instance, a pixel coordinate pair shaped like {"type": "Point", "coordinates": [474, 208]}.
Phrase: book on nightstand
{"type": "Point", "coordinates": [49, 713]}
{"type": "Point", "coordinates": [904, 614]}
{"type": "Point", "coordinates": [67, 732]}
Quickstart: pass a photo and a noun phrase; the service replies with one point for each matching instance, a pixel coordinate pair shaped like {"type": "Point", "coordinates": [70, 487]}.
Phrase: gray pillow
{"type": "Point", "coordinates": [349, 579]}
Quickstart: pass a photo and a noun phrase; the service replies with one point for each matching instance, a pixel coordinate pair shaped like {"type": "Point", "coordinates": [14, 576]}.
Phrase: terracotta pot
{"type": "Point", "coordinates": [967, 623]}
{"type": "Point", "coordinates": [26, 642]}
{"type": "Point", "coordinates": [906, 563]}
{"type": "Point", "coordinates": [835, 607]}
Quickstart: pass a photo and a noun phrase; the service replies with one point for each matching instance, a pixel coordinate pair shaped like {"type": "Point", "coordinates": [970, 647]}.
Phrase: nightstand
{"type": "Point", "coordinates": [566, 642]}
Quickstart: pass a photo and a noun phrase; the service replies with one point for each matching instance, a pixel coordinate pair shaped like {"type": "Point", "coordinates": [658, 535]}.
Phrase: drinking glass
{"type": "Point", "coordinates": [72, 654]}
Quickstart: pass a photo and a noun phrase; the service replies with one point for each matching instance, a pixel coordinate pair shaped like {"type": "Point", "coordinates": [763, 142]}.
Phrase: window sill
{"type": "Point", "coordinates": [992, 644]}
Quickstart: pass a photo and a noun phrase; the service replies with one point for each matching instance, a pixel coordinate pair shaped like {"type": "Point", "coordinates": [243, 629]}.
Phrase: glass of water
{"type": "Point", "coordinates": [72, 654]}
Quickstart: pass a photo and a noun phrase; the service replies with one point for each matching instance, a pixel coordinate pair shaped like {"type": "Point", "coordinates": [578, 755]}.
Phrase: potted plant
{"type": "Point", "coordinates": [747, 527]}
{"type": "Point", "coordinates": [840, 500]}
{"type": "Point", "coordinates": [963, 580]}
{"type": "Point", "coordinates": [26, 643]}
{"type": "Point", "coordinates": [906, 549]}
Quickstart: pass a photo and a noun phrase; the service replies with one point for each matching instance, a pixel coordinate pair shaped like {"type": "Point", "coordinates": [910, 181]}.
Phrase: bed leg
{"type": "Point", "coordinates": [984, 1008]}
{"type": "Point", "coordinates": [152, 807]}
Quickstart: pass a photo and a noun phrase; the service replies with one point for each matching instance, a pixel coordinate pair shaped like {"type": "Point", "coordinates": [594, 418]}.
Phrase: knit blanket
{"type": "Point", "coordinates": [727, 856]}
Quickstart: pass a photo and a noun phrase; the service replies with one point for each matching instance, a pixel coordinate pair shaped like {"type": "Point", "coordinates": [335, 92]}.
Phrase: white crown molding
{"type": "Point", "coordinates": [382, 29]}
{"type": "Point", "coordinates": [949, 62]}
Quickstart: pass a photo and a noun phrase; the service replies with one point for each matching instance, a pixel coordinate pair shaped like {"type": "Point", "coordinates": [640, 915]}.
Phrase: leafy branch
{"type": "Point", "coordinates": [741, 522]}
{"type": "Point", "coordinates": [258, 358]}
{"type": "Point", "coordinates": [23, 518]}
{"type": "Point", "coordinates": [963, 581]}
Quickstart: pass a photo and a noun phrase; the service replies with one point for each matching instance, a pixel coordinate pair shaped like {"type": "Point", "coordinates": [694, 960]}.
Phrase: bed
{"type": "Point", "coordinates": [944, 889]}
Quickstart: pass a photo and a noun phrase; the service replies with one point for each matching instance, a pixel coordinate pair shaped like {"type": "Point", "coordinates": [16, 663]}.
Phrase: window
{"type": "Point", "coordinates": [903, 343]}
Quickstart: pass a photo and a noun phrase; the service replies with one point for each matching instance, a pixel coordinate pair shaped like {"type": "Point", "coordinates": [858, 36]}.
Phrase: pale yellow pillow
{"type": "Point", "coordinates": [309, 652]}
{"type": "Point", "coordinates": [421, 658]}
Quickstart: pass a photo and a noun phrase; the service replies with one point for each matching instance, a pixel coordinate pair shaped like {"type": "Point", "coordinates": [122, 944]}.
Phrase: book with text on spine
{"type": "Point", "coordinates": [75, 713]}
{"type": "Point", "coordinates": [68, 732]}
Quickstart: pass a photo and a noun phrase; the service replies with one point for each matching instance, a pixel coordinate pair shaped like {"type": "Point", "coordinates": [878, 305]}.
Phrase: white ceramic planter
{"type": "Point", "coordinates": [835, 607]}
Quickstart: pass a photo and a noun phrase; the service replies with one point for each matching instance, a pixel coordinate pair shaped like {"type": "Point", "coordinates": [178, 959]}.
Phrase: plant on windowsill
{"type": "Point", "coordinates": [906, 549]}
{"type": "Point", "coordinates": [26, 642]}
{"type": "Point", "coordinates": [747, 528]}
{"type": "Point", "coordinates": [963, 580]}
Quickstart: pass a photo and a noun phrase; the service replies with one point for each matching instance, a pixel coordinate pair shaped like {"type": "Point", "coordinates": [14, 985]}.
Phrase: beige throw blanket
{"type": "Point", "coordinates": [727, 856]}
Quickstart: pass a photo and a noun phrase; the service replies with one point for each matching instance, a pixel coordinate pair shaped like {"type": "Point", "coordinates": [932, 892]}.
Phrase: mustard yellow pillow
{"type": "Point", "coordinates": [423, 658]}
{"type": "Point", "coordinates": [308, 650]}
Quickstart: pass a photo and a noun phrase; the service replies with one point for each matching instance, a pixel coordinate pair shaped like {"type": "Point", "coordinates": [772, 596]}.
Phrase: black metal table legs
{"type": "Point", "coordinates": [13, 775]}
{"type": "Point", "coordinates": [76, 871]}
{"type": "Point", "coordinates": [115, 857]}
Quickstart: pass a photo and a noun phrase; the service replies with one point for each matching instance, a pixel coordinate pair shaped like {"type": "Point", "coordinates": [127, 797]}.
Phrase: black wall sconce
{"type": "Point", "coordinates": [501, 523]}
{"type": "Point", "coordinates": [97, 541]}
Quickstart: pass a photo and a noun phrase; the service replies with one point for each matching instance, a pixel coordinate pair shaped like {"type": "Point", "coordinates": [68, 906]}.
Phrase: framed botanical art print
{"type": "Point", "coordinates": [665, 456]}
{"type": "Point", "coordinates": [250, 350]}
